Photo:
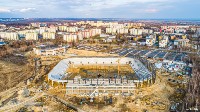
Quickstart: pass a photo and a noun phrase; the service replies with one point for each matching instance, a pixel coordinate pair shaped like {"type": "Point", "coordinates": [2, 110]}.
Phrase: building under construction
{"type": "Point", "coordinates": [73, 73]}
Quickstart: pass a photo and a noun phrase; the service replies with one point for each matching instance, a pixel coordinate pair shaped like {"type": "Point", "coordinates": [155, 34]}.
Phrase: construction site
{"type": "Point", "coordinates": [89, 81]}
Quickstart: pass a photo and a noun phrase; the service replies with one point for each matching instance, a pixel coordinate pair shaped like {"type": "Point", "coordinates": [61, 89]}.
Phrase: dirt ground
{"type": "Point", "coordinates": [12, 74]}
{"type": "Point", "coordinates": [88, 53]}
{"type": "Point", "coordinates": [154, 98]}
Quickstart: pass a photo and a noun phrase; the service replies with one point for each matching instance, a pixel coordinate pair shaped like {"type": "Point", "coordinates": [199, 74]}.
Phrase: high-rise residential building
{"type": "Point", "coordinates": [122, 31]}
{"type": "Point", "coordinates": [49, 35]}
{"type": "Point", "coordinates": [70, 37]}
{"type": "Point", "coordinates": [111, 30]}
{"type": "Point", "coordinates": [10, 36]}
{"type": "Point", "coordinates": [68, 29]}
{"type": "Point", "coordinates": [134, 31]}
{"type": "Point", "coordinates": [150, 40]}
{"type": "Point", "coordinates": [31, 36]}
{"type": "Point", "coordinates": [164, 41]}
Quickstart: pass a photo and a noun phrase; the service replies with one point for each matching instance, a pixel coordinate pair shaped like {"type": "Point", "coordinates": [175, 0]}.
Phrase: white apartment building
{"type": "Point", "coordinates": [23, 32]}
{"type": "Point", "coordinates": [111, 30]}
{"type": "Point", "coordinates": [175, 29]}
{"type": "Point", "coordinates": [70, 37]}
{"type": "Point", "coordinates": [182, 42]}
{"type": "Point", "coordinates": [81, 22]}
{"type": "Point", "coordinates": [2, 34]}
{"type": "Point", "coordinates": [97, 24]}
{"type": "Point", "coordinates": [42, 30]}
{"type": "Point", "coordinates": [11, 36]}
{"type": "Point", "coordinates": [118, 26]}
{"type": "Point", "coordinates": [88, 33]}
{"type": "Point", "coordinates": [80, 36]}
{"type": "Point", "coordinates": [122, 31]}
{"type": "Point", "coordinates": [94, 32]}
{"type": "Point", "coordinates": [52, 29]}
{"type": "Point", "coordinates": [49, 35]}
{"type": "Point", "coordinates": [62, 28]}
{"type": "Point", "coordinates": [72, 29]}
{"type": "Point", "coordinates": [31, 36]}
{"type": "Point", "coordinates": [134, 31]}
{"type": "Point", "coordinates": [150, 40]}
{"type": "Point", "coordinates": [68, 29]}
{"type": "Point", "coordinates": [35, 24]}
{"type": "Point", "coordinates": [85, 33]}
{"type": "Point", "coordinates": [164, 41]}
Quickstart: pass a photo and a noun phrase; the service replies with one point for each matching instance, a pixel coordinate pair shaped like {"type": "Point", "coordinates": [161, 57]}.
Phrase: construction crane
{"type": "Point", "coordinates": [120, 59]}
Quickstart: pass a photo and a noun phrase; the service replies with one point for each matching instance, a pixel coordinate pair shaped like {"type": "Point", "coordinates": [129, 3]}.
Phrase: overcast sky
{"type": "Point", "coordinates": [100, 8]}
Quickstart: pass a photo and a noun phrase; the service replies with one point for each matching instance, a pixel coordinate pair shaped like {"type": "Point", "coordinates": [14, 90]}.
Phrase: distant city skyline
{"type": "Point", "coordinates": [157, 9]}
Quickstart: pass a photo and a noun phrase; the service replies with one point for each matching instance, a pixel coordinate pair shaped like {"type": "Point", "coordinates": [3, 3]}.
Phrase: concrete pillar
{"type": "Point", "coordinates": [52, 83]}
{"type": "Point", "coordinates": [128, 90]}
{"type": "Point", "coordinates": [149, 83]}
{"type": "Point", "coordinates": [78, 90]}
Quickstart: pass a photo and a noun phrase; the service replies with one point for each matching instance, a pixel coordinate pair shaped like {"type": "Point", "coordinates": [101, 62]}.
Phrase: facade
{"type": "Point", "coordinates": [150, 40]}
{"type": "Point", "coordinates": [111, 30]}
{"type": "Point", "coordinates": [134, 31]}
{"type": "Point", "coordinates": [174, 29]}
{"type": "Point", "coordinates": [94, 32]}
{"type": "Point", "coordinates": [164, 41]}
{"type": "Point", "coordinates": [31, 36]}
{"type": "Point", "coordinates": [122, 31]}
{"type": "Point", "coordinates": [11, 36]}
{"type": "Point", "coordinates": [44, 51]}
{"type": "Point", "coordinates": [2, 35]}
{"type": "Point", "coordinates": [70, 37]}
{"type": "Point", "coordinates": [68, 29]}
{"type": "Point", "coordinates": [52, 29]}
{"type": "Point", "coordinates": [182, 42]}
{"type": "Point", "coordinates": [49, 35]}
{"type": "Point", "coordinates": [88, 33]}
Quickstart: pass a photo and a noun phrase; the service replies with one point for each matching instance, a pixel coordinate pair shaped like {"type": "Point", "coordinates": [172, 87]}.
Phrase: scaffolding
{"type": "Point", "coordinates": [100, 86]}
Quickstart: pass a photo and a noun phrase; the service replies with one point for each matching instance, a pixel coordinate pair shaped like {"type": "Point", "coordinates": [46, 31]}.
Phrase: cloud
{"type": "Point", "coordinates": [151, 10]}
{"type": "Point", "coordinates": [4, 10]}
{"type": "Point", "coordinates": [92, 8]}
{"type": "Point", "coordinates": [27, 9]}
{"type": "Point", "coordinates": [95, 6]}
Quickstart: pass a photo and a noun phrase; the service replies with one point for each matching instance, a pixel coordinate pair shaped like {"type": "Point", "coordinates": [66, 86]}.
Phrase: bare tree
{"type": "Point", "coordinates": [192, 99]}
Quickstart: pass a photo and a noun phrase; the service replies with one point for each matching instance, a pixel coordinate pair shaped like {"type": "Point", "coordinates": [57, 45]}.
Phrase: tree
{"type": "Point", "coordinates": [192, 99]}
